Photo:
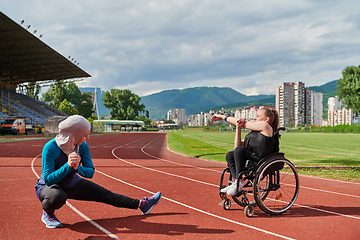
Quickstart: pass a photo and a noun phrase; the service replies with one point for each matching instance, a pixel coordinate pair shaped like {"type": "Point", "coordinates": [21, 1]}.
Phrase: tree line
{"type": "Point", "coordinates": [125, 105]}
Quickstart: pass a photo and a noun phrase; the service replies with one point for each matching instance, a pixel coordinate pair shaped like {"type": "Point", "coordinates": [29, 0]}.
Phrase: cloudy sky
{"type": "Point", "coordinates": [148, 46]}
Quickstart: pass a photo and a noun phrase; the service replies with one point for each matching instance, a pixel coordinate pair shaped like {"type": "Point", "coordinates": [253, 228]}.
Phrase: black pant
{"type": "Point", "coordinates": [54, 197]}
{"type": "Point", "coordinates": [236, 160]}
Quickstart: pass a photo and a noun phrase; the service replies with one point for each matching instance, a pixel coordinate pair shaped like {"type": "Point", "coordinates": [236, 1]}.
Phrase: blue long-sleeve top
{"type": "Point", "coordinates": [55, 169]}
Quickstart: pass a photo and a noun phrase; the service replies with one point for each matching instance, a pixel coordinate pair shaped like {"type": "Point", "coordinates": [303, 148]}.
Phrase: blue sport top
{"type": "Point", "coordinates": [55, 169]}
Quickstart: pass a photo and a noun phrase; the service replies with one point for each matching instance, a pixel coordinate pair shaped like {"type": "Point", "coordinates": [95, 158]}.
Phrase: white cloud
{"type": "Point", "coordinates": [148, 46]}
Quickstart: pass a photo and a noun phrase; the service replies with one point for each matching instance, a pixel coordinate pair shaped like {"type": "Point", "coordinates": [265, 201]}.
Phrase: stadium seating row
{"type": "Point", "coordinates": [23, 106]}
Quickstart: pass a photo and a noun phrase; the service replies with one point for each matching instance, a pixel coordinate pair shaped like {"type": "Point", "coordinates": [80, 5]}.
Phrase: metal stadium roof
{"type": "Point", "coordinates": [25, 58]}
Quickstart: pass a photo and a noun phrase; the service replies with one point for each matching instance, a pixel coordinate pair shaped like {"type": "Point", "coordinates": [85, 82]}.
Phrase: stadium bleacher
{"type": "Point", "coordinates": [23, 106]}
{"type": "Point", "coordinates": [26, 59]}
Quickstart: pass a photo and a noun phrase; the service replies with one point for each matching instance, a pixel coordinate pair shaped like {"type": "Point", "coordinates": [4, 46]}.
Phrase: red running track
{"type": "Point", "coordinates": [138, 165]}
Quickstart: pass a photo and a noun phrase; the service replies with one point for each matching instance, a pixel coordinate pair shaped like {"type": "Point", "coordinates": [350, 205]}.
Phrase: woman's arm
{"type": "Point", "coordinates": [51, 176]}
{"type": "Point", "coordinates": [260, 126]}
{"type": "Point", "coordinates": [86, 169]}
{"type": "Point", "coordinates": [238, 141]}
{"type": "Point", "coordinates": [219, 117]}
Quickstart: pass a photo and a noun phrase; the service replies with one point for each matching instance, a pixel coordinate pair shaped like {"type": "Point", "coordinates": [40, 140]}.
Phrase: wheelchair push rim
{"type": "Point", "coordinates": [276, 186]}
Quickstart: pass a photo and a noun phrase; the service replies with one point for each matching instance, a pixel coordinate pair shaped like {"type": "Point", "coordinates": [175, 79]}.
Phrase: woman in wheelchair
{"type": "Point", "coordinates": [260, 142]}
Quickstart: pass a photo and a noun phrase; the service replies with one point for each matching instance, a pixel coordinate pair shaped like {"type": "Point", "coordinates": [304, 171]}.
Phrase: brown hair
{"type": "Point", "coordinates": [274, 117]}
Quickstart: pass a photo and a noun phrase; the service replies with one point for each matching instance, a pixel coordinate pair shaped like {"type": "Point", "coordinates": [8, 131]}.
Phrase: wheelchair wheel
{"type": "Point", "coordinates": [249, 211]}
{"type": "Point", "coordinates": [226, 204]}
{"type": "Point", "coordinates": [276, 186]}
{"type": "Point", "coordinates": [248, 187]}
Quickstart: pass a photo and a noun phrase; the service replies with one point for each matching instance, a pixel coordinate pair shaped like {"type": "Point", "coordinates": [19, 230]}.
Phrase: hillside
{"type": "Point", "coordinates": [192, 100]}
{"type": "Point", "coordinates": [204, 99]}
{"type": "Point", "coordinates": [329, 90]}
{"type": "Point", "coordinates": [269, 101]}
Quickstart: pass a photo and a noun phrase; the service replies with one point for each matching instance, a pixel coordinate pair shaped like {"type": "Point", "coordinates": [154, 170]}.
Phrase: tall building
{"type": "Point", "coordinates": [297, 105]}
{"type": "Point", "coordinates": [177, 115]}
{"type": "Point", "coordinates": [314, 111]}
{"type": "Point", "coordinates": [289, 103]}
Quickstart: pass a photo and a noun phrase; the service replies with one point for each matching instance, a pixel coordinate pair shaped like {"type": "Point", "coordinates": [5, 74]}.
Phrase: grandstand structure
{"type": "Point", "coordinates": [25, 59]}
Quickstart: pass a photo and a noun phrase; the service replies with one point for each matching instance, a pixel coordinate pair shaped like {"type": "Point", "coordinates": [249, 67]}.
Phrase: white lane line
{"type": "Point", "coordinates": [91, 221]}
{"type": "Point", "coordinates": [326, 211]}
{"type": "Point", "coordinates": [328, 179]}
{"type": "Point", "coordinates": [198, 210]}
{"type": "Point", "coordinates": [155, 170]}
{"type": "Point", "coordinates": [77, 211]}
{"type": "Point", "coordinates": [151, 169]}
{"type": "Point", "coordinates": [342, 194]}
{"type": "Point", "coordinates": [176, 163]}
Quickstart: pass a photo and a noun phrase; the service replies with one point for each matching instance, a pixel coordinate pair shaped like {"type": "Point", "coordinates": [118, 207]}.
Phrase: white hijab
{"type": "Point", "coordinates": [71, 130]}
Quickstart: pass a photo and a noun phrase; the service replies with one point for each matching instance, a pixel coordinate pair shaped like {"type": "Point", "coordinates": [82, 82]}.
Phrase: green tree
{"type": "Point", "coordinates": [33, 90]}
{"type": "Point", "coordinates": [348, 88]}
{"type": "Point", "coordinates": [58, 92]}
{"type": "Point", "coordinates": [66, 107]}
{"type": "Point", "coordinates": [143, 118]}
{"type": "Point", "coordinates": [55, 95]}
{"type": "Point", "coordinates": [123, 104]}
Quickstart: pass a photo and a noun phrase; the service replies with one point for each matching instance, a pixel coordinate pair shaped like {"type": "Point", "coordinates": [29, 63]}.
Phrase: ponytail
{"type": "Point", "coordinates": [274, 118]}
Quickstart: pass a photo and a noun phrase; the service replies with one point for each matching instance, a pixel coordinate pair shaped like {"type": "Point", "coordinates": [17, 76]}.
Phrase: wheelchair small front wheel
{"type": "Point", "coordinates": [226, 203]}
{"type": "Point", "coordinates": [249, 210]}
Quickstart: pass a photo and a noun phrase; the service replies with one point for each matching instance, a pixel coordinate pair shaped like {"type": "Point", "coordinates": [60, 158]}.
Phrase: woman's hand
{"type": "Point", "coordinates": [217, 117]}
{"type": "Point", "coordinates": [240, 122]}
{"type": "Point", "coordinates": [74, 160]}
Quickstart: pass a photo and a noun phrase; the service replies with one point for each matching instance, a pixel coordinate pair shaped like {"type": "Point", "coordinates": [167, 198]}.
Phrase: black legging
{"type": "Point", "coordinates": [236, 160]}
{"type": "Point", "coordinates": [54, 197]}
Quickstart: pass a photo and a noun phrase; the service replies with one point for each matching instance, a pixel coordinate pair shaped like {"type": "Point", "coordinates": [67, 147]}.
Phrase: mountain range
{"type": "Point", "coordinates": [203, 99]}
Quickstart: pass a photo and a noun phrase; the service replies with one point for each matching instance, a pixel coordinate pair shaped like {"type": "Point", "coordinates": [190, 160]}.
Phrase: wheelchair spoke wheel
{"type": "Point", "coordinates": [276, 186]}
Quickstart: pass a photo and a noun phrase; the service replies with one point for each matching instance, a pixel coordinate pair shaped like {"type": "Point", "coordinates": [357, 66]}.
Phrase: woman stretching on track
{"type": "Point", "coordinates": [260, 142]}
{"type": "Point", "coordinates": [66, 157]}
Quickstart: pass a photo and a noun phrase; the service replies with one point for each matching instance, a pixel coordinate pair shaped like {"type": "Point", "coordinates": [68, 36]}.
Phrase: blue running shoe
{"type": "Point", "coordinates": [151, 202]}
{"type": "Point", "coordinates": [50, 220]}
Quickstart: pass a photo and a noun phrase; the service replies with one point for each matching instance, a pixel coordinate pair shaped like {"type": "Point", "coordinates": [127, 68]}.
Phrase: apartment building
{"type": "Point", "coordinates": [177, 115]}
{"type": "Point", "coordinates": [338, 114]}
{"type": "Point", "coordinates": [285, 103]}
{"type": "Point", "coordinates": [314, 108]}
{"type": "Point", "coordinates": [297, 105]}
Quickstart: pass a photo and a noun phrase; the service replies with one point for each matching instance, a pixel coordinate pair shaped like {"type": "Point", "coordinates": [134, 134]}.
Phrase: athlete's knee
{"type": "Point", "coordinates": [230, 156]}
{"type": "Point", "coordinates": [239, 149]}
{"type": "Point", "coordinates": [54, 198]}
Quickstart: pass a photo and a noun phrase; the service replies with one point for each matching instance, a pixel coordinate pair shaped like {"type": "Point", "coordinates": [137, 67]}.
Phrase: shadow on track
{"type": "Point", "coordinates": [138, 225]}
{"type": "Point", "coordinates": [301, 212]}
{"type": "Point", "coordinates": [208, 154]}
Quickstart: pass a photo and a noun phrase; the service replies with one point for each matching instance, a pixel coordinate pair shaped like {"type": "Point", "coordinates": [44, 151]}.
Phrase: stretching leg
{"type": "Point", "coordinates": [89, 191]}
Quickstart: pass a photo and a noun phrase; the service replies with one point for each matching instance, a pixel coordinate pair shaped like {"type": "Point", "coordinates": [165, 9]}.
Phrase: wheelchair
{"type": "Point", "coordinates": [272, 184]}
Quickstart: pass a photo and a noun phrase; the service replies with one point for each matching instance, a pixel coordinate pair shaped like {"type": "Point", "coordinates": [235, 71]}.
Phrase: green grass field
{"type": "Point", "coordinates": [302, 149]}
